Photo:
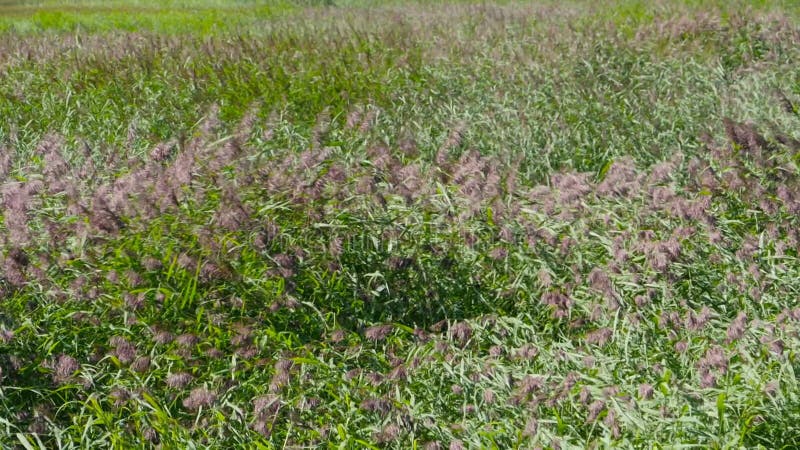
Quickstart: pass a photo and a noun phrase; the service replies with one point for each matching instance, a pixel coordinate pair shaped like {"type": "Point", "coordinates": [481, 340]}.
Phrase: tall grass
{"type": "Point", "coordinates": [451, 226]}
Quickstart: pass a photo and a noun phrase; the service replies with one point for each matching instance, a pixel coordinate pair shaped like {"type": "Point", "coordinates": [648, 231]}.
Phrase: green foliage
{"type": "Point", "coordinates": [388, 224]}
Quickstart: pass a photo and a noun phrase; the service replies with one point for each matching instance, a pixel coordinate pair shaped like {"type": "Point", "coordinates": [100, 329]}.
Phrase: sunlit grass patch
{"type": "Point", "coordinates": [203, 18]}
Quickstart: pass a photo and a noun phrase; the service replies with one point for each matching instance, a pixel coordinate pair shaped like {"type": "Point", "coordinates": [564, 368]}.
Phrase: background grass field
{"type": "Point", "coordinates": [369, 224]}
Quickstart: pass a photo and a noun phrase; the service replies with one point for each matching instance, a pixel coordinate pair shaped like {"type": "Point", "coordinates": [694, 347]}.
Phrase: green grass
{"type": "Point", "coordinates": [206, 17]}
{"type": "Point", "coordinates": [401, 225]}
{"type": "Point", "coordinates": [171, 17]}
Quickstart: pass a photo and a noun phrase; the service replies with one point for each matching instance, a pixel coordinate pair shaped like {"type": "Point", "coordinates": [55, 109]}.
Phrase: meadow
{"type": "Point", "coordinates": [387, 224]}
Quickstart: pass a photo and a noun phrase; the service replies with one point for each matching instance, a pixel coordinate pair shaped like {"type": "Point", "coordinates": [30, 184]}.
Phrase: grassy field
{"type": "Point", "coordinates": [386, 224]}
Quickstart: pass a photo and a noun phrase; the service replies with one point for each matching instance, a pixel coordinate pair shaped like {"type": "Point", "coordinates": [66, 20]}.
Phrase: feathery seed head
{"type": "Point", "coordinates": [199, 398]}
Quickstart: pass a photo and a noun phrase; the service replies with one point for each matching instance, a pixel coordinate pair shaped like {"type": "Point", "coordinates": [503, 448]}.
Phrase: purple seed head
{"type": "Point", "coordinates": [531, 428]}
{"type": "Point", "coordinates": [266, 405]}
{"type": "Point", "coordinates": [124, 351]}
{"type": "Point", "coordinates": [597, 407]}
{"type": "Point", "coordinates": [531, 384]}
{"type": "Point", "coordinates": [600, 336]}
{"type": "Point", "coordinates": [378, 332]}
{"type": "Point", "coordinates": [737, 328]}
{"type": "Point", "coordinates": [646, 391]}
{"type": "Point", "coordinates": [526, 352]}
{"type": "Point", "coordinates": [772, 388]}
{"type": "Point", "coordinates": [488, 396]}
{"type": "Point", "coordinates": [163, 337]}
{"type": "Point", "coordinates": [187, 340]}
{"type": "Point", "coordinates": [179, 380]}
{"type": "Point", "coordinates": [65, 366]}
{"type": "Point", "coordinates": [461, 332]}
{"type": "Point", "coordinates": [141, 364]}
{"type": "Point", "coordinates": [585, 396]}
{"type": "Point", "coordinates": [457, 445]}
{"type": "Point", "coordinates": [6, 336]}
{"type": "Point", "coordinates": [199, 398]}
{"type": "Point", "coordinates": [707, 379]}
{"type": "Point", "coordinates": [377, 405]}
{"type": "Point", "coordinates": [389, 433]}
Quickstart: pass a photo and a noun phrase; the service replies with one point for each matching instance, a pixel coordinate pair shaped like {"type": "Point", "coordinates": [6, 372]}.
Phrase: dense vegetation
{"type": "Point", "coordinates": [411, 225]}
